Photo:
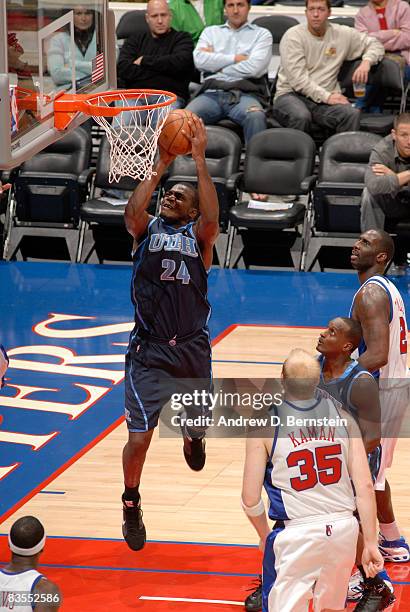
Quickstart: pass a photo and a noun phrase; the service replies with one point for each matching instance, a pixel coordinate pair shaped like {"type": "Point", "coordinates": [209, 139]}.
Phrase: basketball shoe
{"type": "Point", "coordinates": [376, 597]}
{"type": "Point", "coordinates": [253, 603]}
{"type": "Point", "coordinates": [133, 529]}
{"type": "Point", "coordinates": [355, 587]}
{"type": "Point", "coordinates": [194, 452]}
{"type": "Point", "coordinates": [396, 551]}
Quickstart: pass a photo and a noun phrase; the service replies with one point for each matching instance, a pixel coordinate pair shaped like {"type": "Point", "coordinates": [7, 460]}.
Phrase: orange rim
{"type": "Point", "coordinates": [88, 103]}
{"type": "Point", "coordinates": [119, 94]}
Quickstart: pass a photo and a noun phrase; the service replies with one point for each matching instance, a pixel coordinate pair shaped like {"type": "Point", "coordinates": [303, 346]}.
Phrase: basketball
{"type": "Point", "coordinates": [171, 139]}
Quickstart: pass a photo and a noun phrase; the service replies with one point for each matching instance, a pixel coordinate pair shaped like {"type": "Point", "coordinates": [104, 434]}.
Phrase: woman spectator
{"type": "Point", "coordinates": [59, 58]}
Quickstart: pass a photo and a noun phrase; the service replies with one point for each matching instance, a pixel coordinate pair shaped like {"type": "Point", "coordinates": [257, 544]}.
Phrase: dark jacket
{"type": "Point", "coordinates": [167, 62]}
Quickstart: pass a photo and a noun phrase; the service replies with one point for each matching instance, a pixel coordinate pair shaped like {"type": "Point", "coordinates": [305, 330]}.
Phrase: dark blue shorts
{"type": "Point", "coordinates": [153, 371]}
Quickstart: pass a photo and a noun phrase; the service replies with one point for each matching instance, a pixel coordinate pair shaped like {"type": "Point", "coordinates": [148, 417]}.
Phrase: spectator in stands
{"type": "Point", "coordinates": [158, 59]}
{"type": "Point", "coordinates": [21, 118]}
{"type": "Point", "coordinates": [59, 58]}
{"type": "Point", "coordinates": [389, 22]}
{"type": "Point", "coordinates": [311, 57]}
{"type": "Point", "coordinates": [16, 64]}
{"type": "Point", "coordinates": [234, 58]}
{"type": "Point", "coordinates": [192, 17]}
{"type": "Point", "coordinates": [386, 197]}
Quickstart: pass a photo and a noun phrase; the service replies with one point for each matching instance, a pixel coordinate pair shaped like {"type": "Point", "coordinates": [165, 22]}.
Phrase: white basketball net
{"type": "Point", "coordinates": [132, 134]}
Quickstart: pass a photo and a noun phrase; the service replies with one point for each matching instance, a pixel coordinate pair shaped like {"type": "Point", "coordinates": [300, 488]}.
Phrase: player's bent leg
{"type": "Point", "coordinates": [195, 357]}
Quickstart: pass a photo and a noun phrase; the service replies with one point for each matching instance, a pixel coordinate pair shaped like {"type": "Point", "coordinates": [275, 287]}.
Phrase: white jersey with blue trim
{"type": "Point", "coordinates": [395, 369]}
{"type": "Point", "coordinates": [307, 473]}
{"type": "Point", "coordinates": [18, 583]}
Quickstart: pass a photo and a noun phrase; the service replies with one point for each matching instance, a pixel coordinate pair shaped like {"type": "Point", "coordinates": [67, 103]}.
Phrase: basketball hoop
{"type": "Point", "coordinates": [132, 126]}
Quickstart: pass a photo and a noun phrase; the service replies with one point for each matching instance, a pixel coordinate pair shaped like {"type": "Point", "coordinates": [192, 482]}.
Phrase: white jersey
{"type": "Point", "coordinates": [395, 369]}
{"type": "Point", "coordinates": [21, 584]}
{"type": "Point", "coordinates": [307, 475]}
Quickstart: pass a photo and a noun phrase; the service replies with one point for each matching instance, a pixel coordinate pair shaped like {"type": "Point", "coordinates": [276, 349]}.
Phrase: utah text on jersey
{"type": "Point", "coordinates": [175, 242]}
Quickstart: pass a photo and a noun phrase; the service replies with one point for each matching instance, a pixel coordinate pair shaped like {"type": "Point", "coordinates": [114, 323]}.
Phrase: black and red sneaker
{"type": "Point", "coordinates": [133, 528]}
{"type": "Point", "coordinates": [194, 453]}
{"type": "Point", "coordinates": [375, 597]}
{"type": "Point", "coordinates": [253, 603]}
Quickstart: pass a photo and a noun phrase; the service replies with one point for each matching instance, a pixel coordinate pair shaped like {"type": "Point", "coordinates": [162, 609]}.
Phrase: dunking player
{"type": "Point", "coordinates": [172, 254]}
{"type": "Point", "coordinates": [306, 472]}
{"type": "Point", "coordinates": [22, 587]}
{"type": "Point", "coordinates": [355, 388]}
{"type": "Point", "coordinates": [379, 308]}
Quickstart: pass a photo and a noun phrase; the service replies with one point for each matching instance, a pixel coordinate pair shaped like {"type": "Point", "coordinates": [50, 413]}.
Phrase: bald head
{"type": "Point", "coordinates": [300, 374]}
{"type": "Point", "coordinates": [158, 17]}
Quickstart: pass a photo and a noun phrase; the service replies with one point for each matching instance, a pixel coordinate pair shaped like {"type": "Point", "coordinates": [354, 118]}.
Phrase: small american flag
{"type": "Point", "coordinates": [97, 68]}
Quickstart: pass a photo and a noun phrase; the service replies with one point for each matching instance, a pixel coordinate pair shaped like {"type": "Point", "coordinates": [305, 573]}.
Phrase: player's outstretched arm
{"type": "Point", "coordinates": [372, 560]}
{"type": "Point", "coordinates": [207, 226]}
{"type": "Point", "coordinates": [372, 310]}
{"type": "Point", "coordinates": [253, 475]}
{"type": "Point", "coordinates": [136, 216]}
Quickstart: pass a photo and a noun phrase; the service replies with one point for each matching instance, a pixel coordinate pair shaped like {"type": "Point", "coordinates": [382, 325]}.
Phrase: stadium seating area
{"type": "Point", "coordinates": [313, 183]}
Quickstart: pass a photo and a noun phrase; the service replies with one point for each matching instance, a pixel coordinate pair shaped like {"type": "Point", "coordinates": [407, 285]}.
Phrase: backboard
{"type": "Point", "coordinates": [51, 47]}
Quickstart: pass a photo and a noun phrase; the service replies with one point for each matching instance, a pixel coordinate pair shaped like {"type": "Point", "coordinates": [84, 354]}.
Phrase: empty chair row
{"type": "Point", "coordinates": [316, 209]}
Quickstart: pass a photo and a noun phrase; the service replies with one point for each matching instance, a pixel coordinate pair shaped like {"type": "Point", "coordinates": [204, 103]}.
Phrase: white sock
{"type": "Point", "coordinates": [390, 531]}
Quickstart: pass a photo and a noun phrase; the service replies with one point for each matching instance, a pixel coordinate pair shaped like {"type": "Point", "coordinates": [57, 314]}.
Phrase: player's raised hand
{"type": "Point", "coordinates": [372, 561]}
{"type": "Point", "coordinates": [198, 137]}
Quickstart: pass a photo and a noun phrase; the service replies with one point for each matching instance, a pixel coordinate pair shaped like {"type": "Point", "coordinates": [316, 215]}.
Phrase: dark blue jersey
{"type": "Point", "coordinates": [169, 282]}
{"type": "Point", "coordinates": [340, 388]}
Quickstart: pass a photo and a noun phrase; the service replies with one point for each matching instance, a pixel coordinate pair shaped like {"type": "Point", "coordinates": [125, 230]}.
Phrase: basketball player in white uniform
{"type": "Point", "coordinates": [379, 308]}
{"type": "Point", "coordinates": [22, 587]}
{"type": "Point", "coordinates": [306, 471]}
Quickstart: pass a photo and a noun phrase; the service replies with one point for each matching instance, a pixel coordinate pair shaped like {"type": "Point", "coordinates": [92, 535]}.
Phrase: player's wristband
{"type": "Point", "coordinates": [256, 510]}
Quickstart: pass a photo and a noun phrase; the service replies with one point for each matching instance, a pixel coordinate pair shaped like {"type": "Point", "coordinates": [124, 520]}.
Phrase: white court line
{"type": "Point", "coordinates": [208, 601]}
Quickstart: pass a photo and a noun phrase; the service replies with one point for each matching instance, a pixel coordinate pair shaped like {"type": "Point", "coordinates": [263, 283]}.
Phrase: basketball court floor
{"type": "Point", "coordinates": [62, 431]}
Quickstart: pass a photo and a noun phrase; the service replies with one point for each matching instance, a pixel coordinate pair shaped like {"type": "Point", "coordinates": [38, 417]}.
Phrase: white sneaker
{"type": "Point", "coordinates": [396, 551]}
{"type": "Point", "coordinates": [355, 590]}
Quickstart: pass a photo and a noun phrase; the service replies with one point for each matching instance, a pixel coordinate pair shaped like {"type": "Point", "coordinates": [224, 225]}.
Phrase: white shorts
{"type": "Point", "coordinates": [309, 560]}
{"type": "Point", "coordinates": [394, 404]}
